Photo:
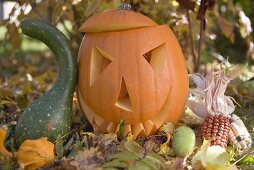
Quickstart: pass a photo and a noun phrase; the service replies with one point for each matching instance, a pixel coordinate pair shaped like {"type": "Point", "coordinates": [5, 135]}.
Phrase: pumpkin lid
{"type": "Point", "coordinates": [116, 20]}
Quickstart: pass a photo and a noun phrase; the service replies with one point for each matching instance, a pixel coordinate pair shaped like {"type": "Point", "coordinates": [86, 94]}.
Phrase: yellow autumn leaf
{"type": "Point", "coordinates": [211, 166]}
{"type": "Point", "coordinates": [164, 149]}
{"type": "Point", "coordinates": [130, 137]}
{"type": "Point", "coordinates": [167, 128]}
{"type": "Point", "coordinates": [211, 157]}
{"type": "Point", "coordinates": [33, 154]}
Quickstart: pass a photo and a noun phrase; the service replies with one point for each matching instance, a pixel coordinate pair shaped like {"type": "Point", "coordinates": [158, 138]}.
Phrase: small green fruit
{"type": "Point", "coordinates": [183, 141]}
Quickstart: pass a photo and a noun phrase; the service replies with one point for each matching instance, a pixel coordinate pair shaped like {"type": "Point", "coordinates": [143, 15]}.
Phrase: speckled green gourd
{"type": "Point", "coordinates": [183, 141]}
{"type": "Point", "coordinates": [50, 115]}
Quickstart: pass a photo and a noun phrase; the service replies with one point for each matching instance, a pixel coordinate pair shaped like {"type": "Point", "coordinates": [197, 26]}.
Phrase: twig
{"type": "Point", "coordinates": [202, 22]}
{"type": "Point", "coordinates": [191, 40]}
{"type": "Point", "coordinates": [35, 10]}
{"type": "Point", "coordinates": [65, 135]}
{"type": "Point", "coordinates": [247, 154]}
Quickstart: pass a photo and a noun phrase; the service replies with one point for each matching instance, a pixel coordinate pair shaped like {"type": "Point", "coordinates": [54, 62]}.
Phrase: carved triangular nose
{"type": "Point", "coordinates": [123, 100]}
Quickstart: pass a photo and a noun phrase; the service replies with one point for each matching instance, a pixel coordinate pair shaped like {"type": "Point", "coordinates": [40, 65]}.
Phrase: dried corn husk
{"type": "Point", "coordinates": [209, 95]}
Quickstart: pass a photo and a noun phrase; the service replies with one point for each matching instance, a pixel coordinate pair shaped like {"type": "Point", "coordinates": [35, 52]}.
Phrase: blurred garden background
{"type": "Point", "coordinates": [227, 29]}
{"type": "Point", "coordinates": [209, 32]}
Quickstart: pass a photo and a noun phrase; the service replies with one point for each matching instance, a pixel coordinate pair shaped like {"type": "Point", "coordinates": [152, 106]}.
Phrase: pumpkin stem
{"type": "Point", "coordinates": [125, 6]}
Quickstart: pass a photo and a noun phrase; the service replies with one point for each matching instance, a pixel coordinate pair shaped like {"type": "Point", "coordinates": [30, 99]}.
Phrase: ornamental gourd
{"type": "Point", "coordinates": [130, 69]}
{"type": "Point", "coordinates": [50, 115]}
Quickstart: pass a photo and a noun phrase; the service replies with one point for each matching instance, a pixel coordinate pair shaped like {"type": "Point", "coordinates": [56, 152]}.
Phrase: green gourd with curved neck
{"type": "Point", "coordinates": [50, 115]}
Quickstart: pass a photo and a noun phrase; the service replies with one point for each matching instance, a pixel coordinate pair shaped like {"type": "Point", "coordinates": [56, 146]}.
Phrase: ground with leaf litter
{"type": "Point", "coordinates": [82, 149]}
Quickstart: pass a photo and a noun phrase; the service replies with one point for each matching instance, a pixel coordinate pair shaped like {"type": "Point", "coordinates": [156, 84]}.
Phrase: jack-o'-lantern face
{"type": "Point", "coordinates": [130, 70]}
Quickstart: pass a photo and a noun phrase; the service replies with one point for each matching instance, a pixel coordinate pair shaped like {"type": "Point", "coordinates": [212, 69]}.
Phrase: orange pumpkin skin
{"type": "Point", "coordinates": [133, 71]}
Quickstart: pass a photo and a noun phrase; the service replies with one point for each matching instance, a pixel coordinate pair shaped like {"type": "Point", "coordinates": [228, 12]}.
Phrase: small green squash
{"type": "Point", "coordinates": [50, 115]}
{"type": "Point", "coordinates": [183, 141]}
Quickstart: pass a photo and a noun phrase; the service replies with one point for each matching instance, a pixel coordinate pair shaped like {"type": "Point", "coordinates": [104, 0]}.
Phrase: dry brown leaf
{"type": "Point", "coordinates": [187, 4]}
{"type": "Point", "coordinates": [227, 28]}
{"type": "Point", "coordinates": [89, 159]}
{"type": "Point", "coordinates": [178, 164]}
{"type": "Point", "coordinates": [33, 154]}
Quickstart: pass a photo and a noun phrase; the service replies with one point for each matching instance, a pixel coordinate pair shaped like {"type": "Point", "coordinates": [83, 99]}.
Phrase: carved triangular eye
{"type": "Point", "coordinates": [123, 100]}
{"type": "Point", "coordinates": [99, 61]}
{"type": "Point", "coordinates": [155, 58]}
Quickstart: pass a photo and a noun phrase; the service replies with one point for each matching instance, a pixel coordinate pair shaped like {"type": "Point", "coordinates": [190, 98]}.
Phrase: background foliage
{"type": "Point", "coordinates": [227, 33]}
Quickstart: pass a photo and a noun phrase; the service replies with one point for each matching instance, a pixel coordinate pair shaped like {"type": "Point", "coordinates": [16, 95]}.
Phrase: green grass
{"type": "Point", "coordinates": [2, 32]}
{"type": "Point", "coordinates": [29, 44]}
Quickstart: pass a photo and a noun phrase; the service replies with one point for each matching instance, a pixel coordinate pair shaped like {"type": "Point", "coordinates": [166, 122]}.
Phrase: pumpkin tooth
{"type": "Point", "coordinates": [101, 123]}
{"type": "Point", "coordinates": [127, 129]}
{"type": "Point", "coordinates": [157, 124]}
{"type": "Point", "coordinates": [111, 127]}
{"type": "Point", "coordinates": [138, 129]}
{"type": "Point", "coordinates": [149, 126]}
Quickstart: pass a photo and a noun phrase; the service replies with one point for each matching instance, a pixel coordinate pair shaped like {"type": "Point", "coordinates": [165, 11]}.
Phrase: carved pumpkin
{"type": "Point", "coordinates": [130, 69]}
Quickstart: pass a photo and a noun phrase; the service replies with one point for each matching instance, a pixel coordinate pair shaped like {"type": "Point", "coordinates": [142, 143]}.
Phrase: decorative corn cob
{"type": "Point", "coordinates": [211, 104]}
{"type": "Point", "coordinates": [216, 128]}
{"type": "Point", "coordinates": [238, 134]}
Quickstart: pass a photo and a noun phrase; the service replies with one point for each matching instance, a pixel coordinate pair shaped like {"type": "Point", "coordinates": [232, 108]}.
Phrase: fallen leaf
{"type": "Point", "coordinates": [211, 157]}
{"type": "Point", "coordinates": [167, 128]}
{"type": "Point", "coordinates": [89, 159]}
{"type": "Point", "coordinates": [178, 164]}
{"type": "Point", "coordinates": [133, 146]}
